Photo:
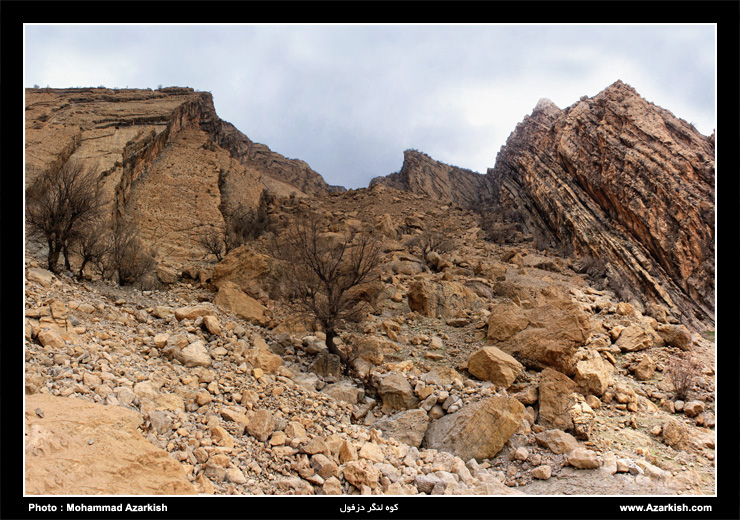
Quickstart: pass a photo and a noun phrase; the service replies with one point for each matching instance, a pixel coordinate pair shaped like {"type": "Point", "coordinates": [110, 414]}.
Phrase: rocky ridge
{"type": "Point", "coordinates": [423, 175]}
{"type": "Point", "coordinates": [622, 180]}
{"type": "Point", "coordinates": [247, 401]}
{"type": "Point", "coordinates": [166, 160]}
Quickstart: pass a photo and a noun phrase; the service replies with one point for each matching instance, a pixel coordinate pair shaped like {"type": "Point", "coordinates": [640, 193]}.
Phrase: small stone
{"type": "Point", "coordinates": [543, 472]}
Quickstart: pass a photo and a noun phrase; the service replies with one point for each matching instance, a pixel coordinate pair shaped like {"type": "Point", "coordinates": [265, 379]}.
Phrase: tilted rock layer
{"type": "Point", "coordinates": [625, 181]}
{"type": "Point", "coordinates": [423, 175]}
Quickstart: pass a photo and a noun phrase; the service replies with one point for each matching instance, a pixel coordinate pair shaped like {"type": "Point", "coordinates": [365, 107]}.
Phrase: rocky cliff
{"type": "Point", "coordinates": [422, 175]}
{"type": "Point", "coordinates": [166, 159]}
{"type": "Point", "coordinates": [617, 178]}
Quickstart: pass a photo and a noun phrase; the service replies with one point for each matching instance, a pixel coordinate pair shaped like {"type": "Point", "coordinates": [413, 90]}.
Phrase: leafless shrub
{"type": "Point", "coordinates": [244, 224]}
{"type": "Point", "coordinates": [126, 256]}
{"type": "Point", "coordinates": [212, 240]}
{"type": "Point", "coordinates": [60, 204]}
{"type": "Point", "coordinates": [682, 371]}
{"type": "Point", "coordinates": [594, 267]}
{"type": "Point", "coordinates": [327, 271]}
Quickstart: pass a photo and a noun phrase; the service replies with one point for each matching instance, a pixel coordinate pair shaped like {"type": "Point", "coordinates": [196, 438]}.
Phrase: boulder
{"type": "Point", "coordinates": [635, 338]}
{"type": "Point", "coordinates": [505, 321]}
{"type": "Point", "coordinates": [557, 327]}
{"type": "Point", "coordinates": [593, 374]}
{"type": "Point", "coordinates": [676, 336]}
{"type": "Point", "coordinates": [442, 299]}
{"type": "Point", "coordinates": [41, 276]}
{"type": "Point", "coordinates": [263, 359]}
{"type": "Point", "coordinates": [478, 430]}
{"type": "Point", "coordinates": [344, 391]}
{"type": "Point", "coordinates": [248, 270]}
{"type": "Point", "coordinates": [231, 299]}
{"type": "Point", "coordinates": [396, 392]}
{"type": "Point", "coordinates": [557, 441]}
{"type": "Point", "coordinates": [492, 364]}
{"type": "Point", "coordinates": [556, 399]}
{"type": "Point", "coordinates": [582, 458]}
{"type": "Point", "coordinates": [192, 312]}
{"type": "Point", "coordinates": [442, 375]}
{"type": "Point", "coordinates": [82, 448]}
{"type": "Point", "coordinates": [194, 355]}
{"type": "Point", "coordinates": [408, 426]}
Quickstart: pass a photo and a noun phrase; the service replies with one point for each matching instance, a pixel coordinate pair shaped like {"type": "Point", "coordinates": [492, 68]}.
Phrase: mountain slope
{"type": "Point", "coordinates": [620, 179]}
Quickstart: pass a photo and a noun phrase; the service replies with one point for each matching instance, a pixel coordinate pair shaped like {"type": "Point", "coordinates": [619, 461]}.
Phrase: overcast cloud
{"type": "Point", "coordinates": [349, 100]}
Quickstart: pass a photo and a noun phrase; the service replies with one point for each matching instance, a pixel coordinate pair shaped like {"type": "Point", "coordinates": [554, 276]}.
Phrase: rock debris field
{"type": "Point", "coordinates": [495, 371]}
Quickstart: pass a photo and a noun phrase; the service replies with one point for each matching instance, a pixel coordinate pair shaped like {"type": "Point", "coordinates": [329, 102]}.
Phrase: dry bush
{"type": "Point", "coordinates": [682, 371]}
{"type": "Point", "coordinates": [126, 256]}
{"type": "Point", "coordinates": [245, 224]}
{"type": "Point", "coordinates": [327, 271]}
{"type": "Point", "coordinates": [211, 239]}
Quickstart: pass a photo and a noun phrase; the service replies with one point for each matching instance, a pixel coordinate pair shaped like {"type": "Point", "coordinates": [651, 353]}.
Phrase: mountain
{"type": "Point", "coordinates": [166, 159]}
{"type": "Point", "coordinates": [613, 179]}
{"type": "Point", "coordinates": [622, 180]}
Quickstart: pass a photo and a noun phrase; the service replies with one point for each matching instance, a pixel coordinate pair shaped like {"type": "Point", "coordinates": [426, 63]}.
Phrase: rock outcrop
{"type": "Point", "coordinates": [76, 447]}
{"type": "Point", "coordinates": [621, 180]}
{"type": "Point", "coordinates": [165, 159]}
{"type": "Point", "coordinates": [422, 175]}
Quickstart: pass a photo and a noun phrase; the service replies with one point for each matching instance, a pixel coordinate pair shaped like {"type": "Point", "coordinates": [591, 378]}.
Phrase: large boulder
{"type": "Point", "coordinates": [505, 321]}
{"type": "Point", "coordinates": [556, 399]}
{"type": "Point", "coordinates": [495, 365]}
{"type": "Point", "coordinates": [478, 430]}
{"type": "Point", "coordinates": [396, 392]}
{"type": "Point", "coordinates": [408, 426]}
{"type": "Point", "coordinates": [593, 374]}
{"type": "Point", "coordinates": [77, 447]}
{"type": "Point", "coordinates": [440, 299]}
{"type": "Point", "coordinates": [248, 270]}
{"type": "Point", "coordinates": [556, 328]}
{"type": "Point", "coordinates": [232, 299]}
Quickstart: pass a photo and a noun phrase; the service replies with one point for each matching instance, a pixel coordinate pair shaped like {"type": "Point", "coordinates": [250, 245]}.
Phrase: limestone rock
{"type": "Point", "coordinates": [557, 441]}
{"type": "Point", "coordinates": [231, 299]}
{"type": "Point", "coordinates": [440, 300]}
{"type": "Point", "coordinates": [83, 448]}
{"type": "Point", "coordinates": [420, 174]}
{"type": "Point", "coordinates": [505, 321]}
{"type": "Point", "coordinates": [478, 430]}
{"type": "Point", "coordinates": [396, 392]}
{"type": "Point", "coordinates": [195, 355]}
{"type": "Point", "coordinates": [492, 364]}
{"type": "Point", "coordinates": [593, 375]}
{"type": "Point", "coordinates": [676, 336]}
{"type": "Point", "coordinates": [556, 399]}
{"type": "Point", "coordinates": [612, 162]}
{"type": "Point", "coordinates": [408, 426]}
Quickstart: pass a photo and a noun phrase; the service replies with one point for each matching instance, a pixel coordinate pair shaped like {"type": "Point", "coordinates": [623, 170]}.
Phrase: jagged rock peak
{"type": "Point", "coordinates": [547, 106]}
{"type": "Point", "coordinates": [422, 175]}
{"type": "Point", "coordinates": [620, 179]}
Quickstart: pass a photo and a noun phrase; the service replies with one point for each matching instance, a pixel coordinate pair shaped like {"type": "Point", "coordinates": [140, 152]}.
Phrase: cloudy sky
{"type": "Point", "coordinates": [349, 99]}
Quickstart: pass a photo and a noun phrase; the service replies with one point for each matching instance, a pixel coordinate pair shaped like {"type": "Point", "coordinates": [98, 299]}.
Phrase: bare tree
{"type": "Point", "coordinates": [212, 240]}
{"type": "Point", "coordinates": [327, 272]}
{"type": "Point", "coordinates": [60, 204]}
{"type": "Point", "coordinates": [91, 246]}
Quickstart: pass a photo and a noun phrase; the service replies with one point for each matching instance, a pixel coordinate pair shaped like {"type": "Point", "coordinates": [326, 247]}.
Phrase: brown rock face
{"type": "Point", "coordinates": [166, 160]}
{"type": "Point", "coordinates": [422, 175]}
{"type": "Point", "coordinates": [478, 430]}
{"type": "Point", "coordinates": [624, 181]}
{"type": "Point", "coordinates": [76, 447]}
